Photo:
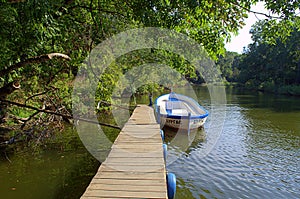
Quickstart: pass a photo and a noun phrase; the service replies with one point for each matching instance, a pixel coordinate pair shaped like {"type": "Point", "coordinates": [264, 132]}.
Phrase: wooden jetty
{"type": "Point", "coordinates": [135, 166]}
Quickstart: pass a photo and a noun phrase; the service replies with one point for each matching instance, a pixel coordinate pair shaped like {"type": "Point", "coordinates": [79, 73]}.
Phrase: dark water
{"type": "Point", "coordinates": [256, 156]}
{"type": "Point", "coordinates": [60, 168]}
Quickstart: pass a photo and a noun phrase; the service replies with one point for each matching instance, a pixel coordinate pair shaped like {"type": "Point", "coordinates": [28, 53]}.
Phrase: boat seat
{"type": "Point", "coordinates": [182, 112]}
{"type": "Point", "coordinates": [175, 106]}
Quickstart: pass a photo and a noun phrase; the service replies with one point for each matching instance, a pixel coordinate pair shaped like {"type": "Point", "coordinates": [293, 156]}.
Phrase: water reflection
{"type": "Point", "coordinates": [183, 142]}
{"type": "Point", "coordinates": [60, 168]}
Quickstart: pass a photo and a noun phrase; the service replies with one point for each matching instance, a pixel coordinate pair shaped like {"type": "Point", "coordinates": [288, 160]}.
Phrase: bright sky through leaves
{"type": "Point", "coordinates": [244, 38]}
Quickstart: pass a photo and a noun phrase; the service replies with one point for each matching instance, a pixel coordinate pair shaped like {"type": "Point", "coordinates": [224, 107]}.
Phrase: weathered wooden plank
{"type": "Point", "coordinates": [145, 149]}
{"type": "Point", "coordinates": [129, 167]}
{"type": "Point", "coordinates": [135, 167]}
{"type": "Point", "coordinates": [155, 146]}
{"type": "Point", "coordinates": [141, 161]}
{"type": "Point", "coordinates": [128, 194]}
{"type": "Point", "coordinates": [130, 138]}
{"type": "Point", "coordinates": [105, 168]}
{"type": "Point", "coordinates": [128, 175]}
{"type": "Point", "coordinates": [126, 187]}
{"type": "Point", "coordinates": [138, 150]}
{"type": "Point", "coordinates": [139, 128]}
{"type": "Point", "coordinates": [105, 197]}
{"type": "Point", "coordinates": [135, 142]}
{"type": "Point", "coordinates": [143, 136]}
{"type": "Point", "coordinates": [130, 135]}
{"type": "Point", "coordinates": [139, 182]}
{"type": "Point", "coordinates": [124, 153]}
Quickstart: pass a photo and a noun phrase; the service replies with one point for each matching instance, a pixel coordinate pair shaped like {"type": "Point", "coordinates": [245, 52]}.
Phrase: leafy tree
{"type": "Point", "coordinates": [269, 65]}
{"type": "Point", "coordinates": [32, 30]}
{"type": "Point", "coordinates": [228, 65]}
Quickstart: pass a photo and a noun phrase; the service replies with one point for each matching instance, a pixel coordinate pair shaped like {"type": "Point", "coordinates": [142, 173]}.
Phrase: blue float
{"type": "Point", "coordinates": [165, 149]}
{"type": "Point", "coordinates": [162, 135]}
{"type": "Point", "coordinates": [171, 185]}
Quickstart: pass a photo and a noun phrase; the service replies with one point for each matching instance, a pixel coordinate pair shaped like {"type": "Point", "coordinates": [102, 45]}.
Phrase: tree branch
{"type": "Point", "coordinates": [58, 114]}
{"type": "Point", "coordinates": [28, 119]}
{"type": "Point", "coordinates": [259, 13]}
{"type": "Point", "coordinates": [9, 88]}
{"type": "Point", "coordinates": [32, 60]}
{"type": "Point", "coordinates": [37, 94]}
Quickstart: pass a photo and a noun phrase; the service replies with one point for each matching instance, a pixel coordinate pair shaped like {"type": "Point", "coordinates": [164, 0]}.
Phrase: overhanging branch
{"type": "Point", "coordinates": [258, 13]}
{"type": "Point", "coordinates": [38, 59]}
{"type": "Point", "coordinates": [55, 113]}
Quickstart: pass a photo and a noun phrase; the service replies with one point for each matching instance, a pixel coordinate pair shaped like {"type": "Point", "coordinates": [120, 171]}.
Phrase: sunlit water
{"type": "Point", "coordinates": [256, 156]}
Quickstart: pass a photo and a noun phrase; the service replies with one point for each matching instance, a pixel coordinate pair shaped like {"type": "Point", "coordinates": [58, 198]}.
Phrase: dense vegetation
{"type": "Point", "coordinates": [268, 64]}
{"type": "Point", "coordinates": [44, 43]}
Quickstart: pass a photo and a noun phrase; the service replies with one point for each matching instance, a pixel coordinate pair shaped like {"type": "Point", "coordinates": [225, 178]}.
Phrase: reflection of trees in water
{"type": "Point", "coordinates": [183, 142]}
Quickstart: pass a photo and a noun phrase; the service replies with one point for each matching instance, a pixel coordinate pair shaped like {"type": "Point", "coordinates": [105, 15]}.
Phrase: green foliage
{"type": "Point", "coordinates": [286, 9]}
{"type": "Point", "coordinates": [34, 27]}
{"type": "Point", "coordinates": [271, 31]}
{"type": "Point", "coordinates": [268, 86]}
{"type": "Point", "coordinates": [280, 24]}
{"type": "Point", "coordinates": [270, 63]}
{"type": "Point", "coordinates": [228, 64]}
{"type": "Point", "coordinates": [139, 72]}
{"type": "Point", "coordinates": [107, 83]}
{"type": "Point", "coordinates": [290, 90]}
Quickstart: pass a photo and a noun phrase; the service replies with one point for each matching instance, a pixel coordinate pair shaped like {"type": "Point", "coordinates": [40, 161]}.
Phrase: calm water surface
{"type": "Point", "coordinates": [256, 156]}
{"type": "Point", "coordinates": [53, 170]}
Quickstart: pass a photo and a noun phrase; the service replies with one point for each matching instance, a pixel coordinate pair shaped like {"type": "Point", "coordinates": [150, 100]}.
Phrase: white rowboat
{"type": "Point", "coordinates": [179, 111]}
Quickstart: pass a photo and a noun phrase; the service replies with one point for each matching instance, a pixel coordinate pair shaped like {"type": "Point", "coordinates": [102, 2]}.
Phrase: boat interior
{"type": "Point", "coordinates": [179, 108]}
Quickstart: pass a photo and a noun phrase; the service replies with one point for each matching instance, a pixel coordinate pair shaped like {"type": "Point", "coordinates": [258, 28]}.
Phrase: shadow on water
{"type": "Point", "coordinates": [57, 168]}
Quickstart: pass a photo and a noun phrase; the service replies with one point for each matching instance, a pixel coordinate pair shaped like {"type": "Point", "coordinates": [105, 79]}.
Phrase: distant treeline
{"type": "Point", "coordinates": [271, 66]}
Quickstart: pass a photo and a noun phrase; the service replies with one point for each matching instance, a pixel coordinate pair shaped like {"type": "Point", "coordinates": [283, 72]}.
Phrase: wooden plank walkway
{"type": "Point", "coordinates": [135, 166]}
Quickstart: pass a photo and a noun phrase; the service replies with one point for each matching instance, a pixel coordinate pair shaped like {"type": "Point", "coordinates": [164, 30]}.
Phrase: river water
{"type": "Point", "coordinates": [257, 155]}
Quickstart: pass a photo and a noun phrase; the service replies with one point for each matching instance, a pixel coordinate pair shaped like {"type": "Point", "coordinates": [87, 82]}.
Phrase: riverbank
{"type": "Point", "coordinates": [291, 90]}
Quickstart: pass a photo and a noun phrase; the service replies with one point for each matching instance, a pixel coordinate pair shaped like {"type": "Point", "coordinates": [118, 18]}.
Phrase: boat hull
{"type": "Point", "coordinates": [181, 123]}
